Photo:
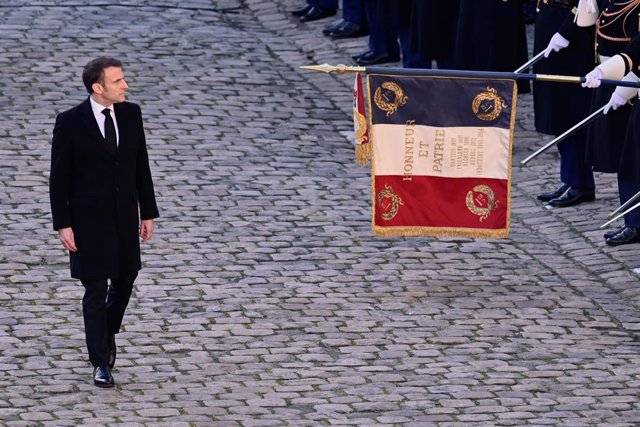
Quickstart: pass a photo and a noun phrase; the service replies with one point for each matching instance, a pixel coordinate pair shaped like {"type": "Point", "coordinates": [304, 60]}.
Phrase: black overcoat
{"type": "Point", "coordinates": [559, 106]}
{"type": "Point", "coordinates": [98, 194]}
{"type": "Point", "coordinates": [491, 36]}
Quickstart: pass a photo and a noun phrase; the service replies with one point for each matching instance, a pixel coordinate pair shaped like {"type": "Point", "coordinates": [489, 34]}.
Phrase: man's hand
{"type": "Point", "coordinates": [67, 239]}
{"type": "Point", "coordinates": [146, 229]}
{"type": "Point", "coordinates": [557, 42]}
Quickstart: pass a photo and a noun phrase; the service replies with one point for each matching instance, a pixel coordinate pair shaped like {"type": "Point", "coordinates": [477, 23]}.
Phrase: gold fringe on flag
{"type": "Point", "coordinates": [363, 153]}
{"type": "Point", "coordinates": [361, 133]}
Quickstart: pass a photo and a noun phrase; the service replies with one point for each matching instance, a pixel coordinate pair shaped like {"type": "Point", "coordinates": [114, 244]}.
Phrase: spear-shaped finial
{"type": "Point", "coordinates": [340, 68]}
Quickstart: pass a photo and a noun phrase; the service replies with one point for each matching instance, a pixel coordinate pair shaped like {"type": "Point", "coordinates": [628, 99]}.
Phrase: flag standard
{"type": "Point", "coordinates": [441, 155]}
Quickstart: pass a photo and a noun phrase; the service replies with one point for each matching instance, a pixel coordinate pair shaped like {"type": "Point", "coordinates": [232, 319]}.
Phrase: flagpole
{"type": "Point", "coordinates": [625, 205]}
{"type": "Point", "coordinates": [530, 63]}
{"type": "Point", "coordinates": [637, 205]}
{"type": "Point", "coordinates": [341, 68]}
{"type": "Point", "coordinates": [566, 134]}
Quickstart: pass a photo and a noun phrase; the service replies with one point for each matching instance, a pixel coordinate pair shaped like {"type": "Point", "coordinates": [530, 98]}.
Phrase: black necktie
{"type": "Point", "coordinates": [109, 131]}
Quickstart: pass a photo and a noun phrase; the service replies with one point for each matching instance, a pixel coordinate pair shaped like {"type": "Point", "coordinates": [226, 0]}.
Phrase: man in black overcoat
{"type": "Point", "coordinates": [102, 203]}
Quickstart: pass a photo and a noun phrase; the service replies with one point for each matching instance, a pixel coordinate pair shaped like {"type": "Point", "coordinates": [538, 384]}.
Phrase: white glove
{"type": "Point", "coordinates": [622, 94]}
{"type": "Point", "coordinates": [614, 103]}
{"type": "Point", "coordinates": [557, 42]}
{"type": "Point", "coordinates": [593, 78]}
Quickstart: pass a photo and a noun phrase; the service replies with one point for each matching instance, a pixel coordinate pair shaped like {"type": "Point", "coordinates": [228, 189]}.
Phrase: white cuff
{"type": "Point", "coordinates": [628, 92]}
{"type": "Point", "coordinates": [587, 13]}
{"type": "Point", "coordinates": [613, 68]}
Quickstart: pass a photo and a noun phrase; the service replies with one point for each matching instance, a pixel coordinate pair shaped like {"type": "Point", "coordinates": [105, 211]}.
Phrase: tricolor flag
{"type": "Point", "coordinates": [441, 157]}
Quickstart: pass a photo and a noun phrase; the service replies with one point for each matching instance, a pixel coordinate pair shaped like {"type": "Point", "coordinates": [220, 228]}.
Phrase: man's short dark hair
{"type": "Point", "coordinates": [93, 72]}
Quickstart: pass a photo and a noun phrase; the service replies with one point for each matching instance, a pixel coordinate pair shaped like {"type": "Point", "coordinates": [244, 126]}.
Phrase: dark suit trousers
{"type": "Point", "coordinates": [103, 308]}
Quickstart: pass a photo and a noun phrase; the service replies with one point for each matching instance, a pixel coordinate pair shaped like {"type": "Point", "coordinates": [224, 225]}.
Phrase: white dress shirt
{"type": "Point", "coordinates": [97, 112]}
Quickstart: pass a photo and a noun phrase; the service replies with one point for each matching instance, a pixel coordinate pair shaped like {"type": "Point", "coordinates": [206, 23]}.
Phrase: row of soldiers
{"type": "Point", "coordinates": [418, 32]}
{"type": "Point", "coordinates": [577, 35]}
{"type": "Point", "coordinates": [490, 35]}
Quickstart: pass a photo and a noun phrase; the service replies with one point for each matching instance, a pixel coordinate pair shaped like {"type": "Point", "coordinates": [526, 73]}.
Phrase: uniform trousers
{"type": "Point", "coordinates": [627, 190]}
{"type": "Point", "coordinates": [323, 4]}
{"type": "Point", "coordinates": [574, 170]}
{"type": "Point", "coordinates": [353, 11]}
{"type": "Point", "coordinates": [388, 25]}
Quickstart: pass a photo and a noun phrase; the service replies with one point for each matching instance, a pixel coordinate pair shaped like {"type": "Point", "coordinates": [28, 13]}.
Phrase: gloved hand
{"type": "Point", "coordinates": [593, 78]}
{"type": "Point", "coordinates": [614, 103]}
{"type": "Point", "coordinates": [557, 42]}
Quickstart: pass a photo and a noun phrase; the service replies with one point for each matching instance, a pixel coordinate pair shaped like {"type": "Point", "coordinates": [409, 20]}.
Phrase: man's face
{"type": "Point", "coordinates": [113, 88]}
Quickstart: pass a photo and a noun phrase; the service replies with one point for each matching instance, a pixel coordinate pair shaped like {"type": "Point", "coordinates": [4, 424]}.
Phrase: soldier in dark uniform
{"type": "Point", "coordinates": [617, 23]}
{"type": "Point", "coordinates": [491, 36]}
{"type": "Point", "coordinates": [432, 31]}
{"type": "Point", "coordinates": [425, 30]}
{"type": "Point", "coordinates": [569, 51]}
{"type": "Point", "coordinates": [625, 65]}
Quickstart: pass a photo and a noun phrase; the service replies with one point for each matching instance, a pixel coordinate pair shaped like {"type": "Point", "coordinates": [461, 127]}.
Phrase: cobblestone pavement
{"type": "Point", "coordinates": [266, 300]}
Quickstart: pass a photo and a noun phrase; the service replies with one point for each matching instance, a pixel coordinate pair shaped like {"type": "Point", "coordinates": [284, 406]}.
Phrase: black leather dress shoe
{"type": "Point", "coordinates": [573, 197]}
{"type": "Point", "coordinates": [374, 59]}
{"type": "Point", "coordinates": [113, 350]}
{"type": "Point", "coordinates": [347, 30]}
{"type": "Point", "coordinates": [612, 233]}
{"type": "Point", "coordinates": [545, 197]}
{"type": "Point", "coordinates": [301, 11]}
{"type": "Point", "coordinates": [102, 377]}
{"type": "Point", "coordinates": [316, 13]}
{"type": "Point", "coordinates": [333, 27]}
{"type": "Point", "coordinates": [367, 53]}
{"type": "Point", "coordinates": [624, 237]}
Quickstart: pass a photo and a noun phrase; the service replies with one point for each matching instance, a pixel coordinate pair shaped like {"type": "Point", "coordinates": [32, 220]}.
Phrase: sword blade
{"type": "Point", "coordinates": [529, 63]}
{"type": "Point", "coordinates": [566, 134]}
{"type": "Point", "coordinates": [637, 205]}
{"type": "Point", "coordinates": [625, 205]}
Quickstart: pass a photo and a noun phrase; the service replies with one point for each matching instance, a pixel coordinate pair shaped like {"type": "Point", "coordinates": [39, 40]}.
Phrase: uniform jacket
{"type": "Point", "coordinates": [629, 168]}
{"type": "Point", "coordinates": [98, 194]}
{"type": "Point", "coordinates": [618, 22]}
{"type": "Point", "coordinates": [560, 106]}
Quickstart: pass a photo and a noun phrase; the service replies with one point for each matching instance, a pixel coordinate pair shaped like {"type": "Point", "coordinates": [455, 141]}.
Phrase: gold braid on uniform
{"type": "Point", "coordinates": [615, 16]}
{"type": "Point", "coordinates": [628, 62]}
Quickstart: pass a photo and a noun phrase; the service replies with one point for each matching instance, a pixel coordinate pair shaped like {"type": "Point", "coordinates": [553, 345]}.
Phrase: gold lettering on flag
{"type": "Point", "coordinates": [438, 151]}
{"type": "Point", "coordinates": [408, 149]}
